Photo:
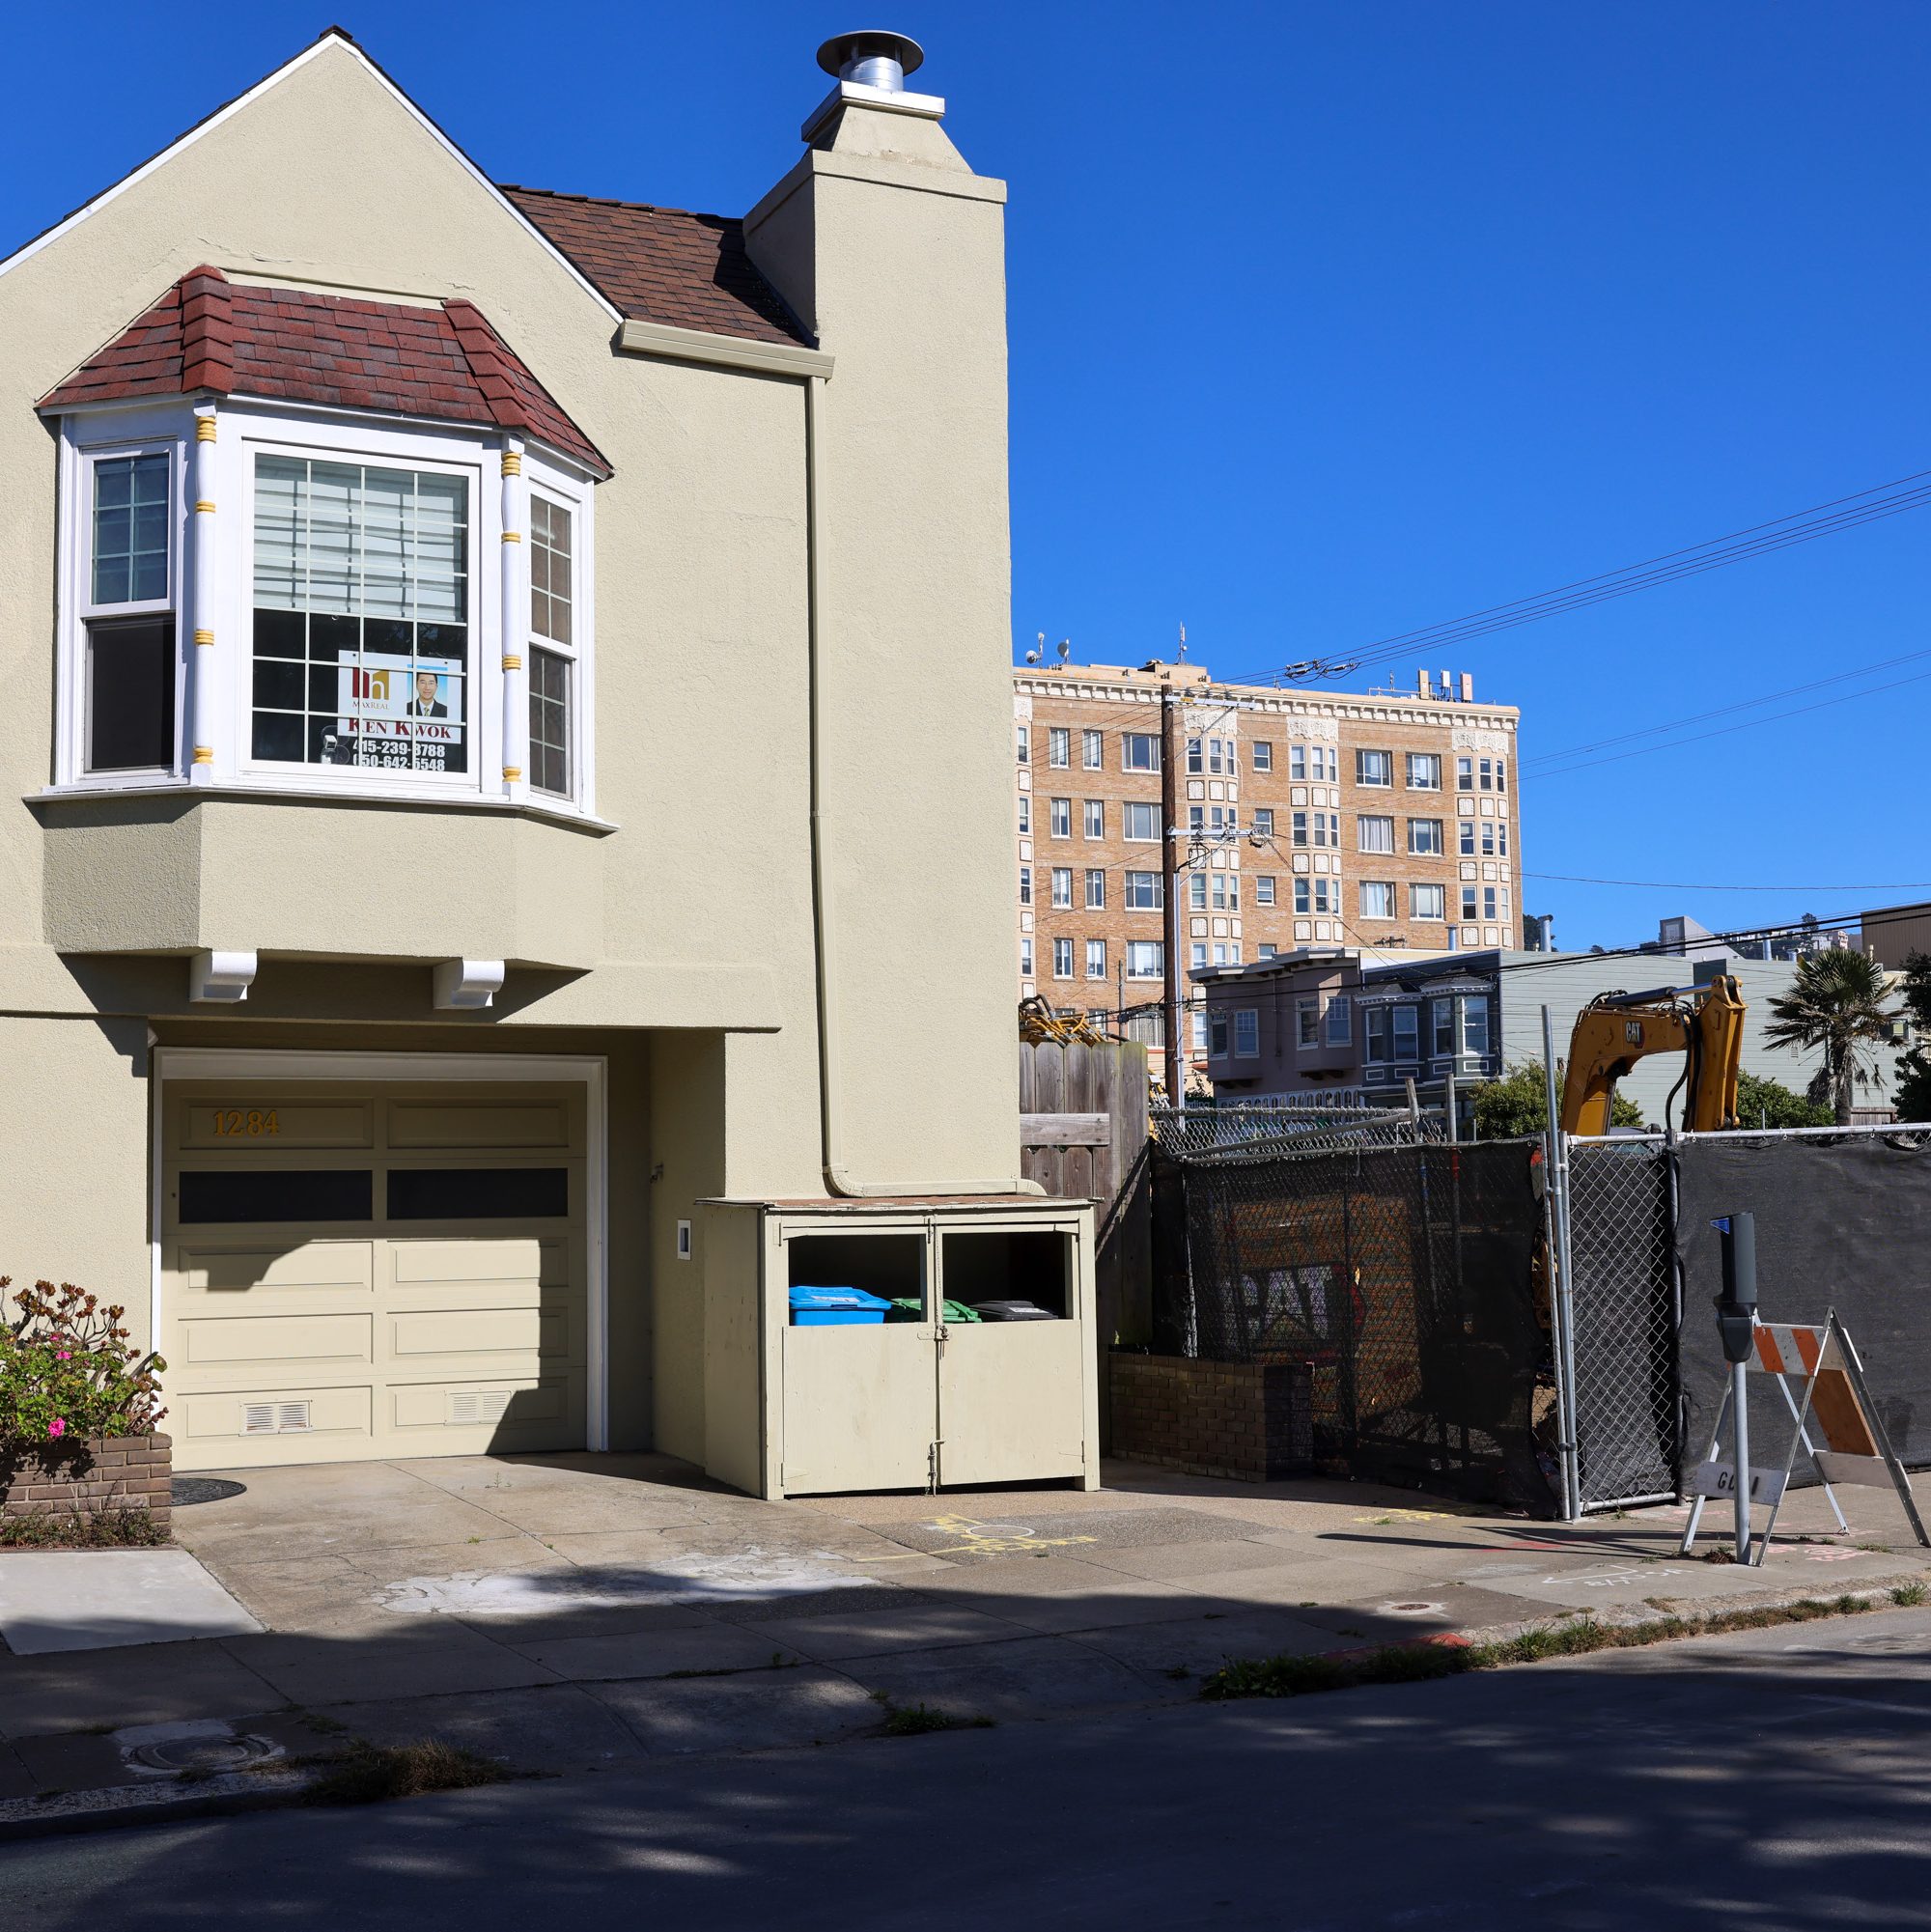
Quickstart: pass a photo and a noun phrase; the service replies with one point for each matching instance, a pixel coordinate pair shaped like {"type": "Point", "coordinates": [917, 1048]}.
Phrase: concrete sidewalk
{"type": "Point", "coordinates": [581, 1614]}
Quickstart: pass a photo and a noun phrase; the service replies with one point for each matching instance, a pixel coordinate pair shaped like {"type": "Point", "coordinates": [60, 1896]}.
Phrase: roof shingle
{"type": "Point", "coordinates": [293, 345]}
{"type": "Point", "coordinates": [665, 264]}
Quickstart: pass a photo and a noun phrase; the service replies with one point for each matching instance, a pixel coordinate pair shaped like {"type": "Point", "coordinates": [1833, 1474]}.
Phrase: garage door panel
{"type": "Point", "coordinates": [469, 1330]}
{"type": "Point", "coordinates": [214, 1341]}
{"type": "Point", "coordinates": [314, 1264]}
{"type": "Point", "coordinates": [478, 1405]}
{"type": "Point", "coordinates": [480, 1123]}
{"type": "Point", "coordinates": [267, 1124]}
{"type": "Point", "coordinates": [214, 1428]}
{"type": "Point", "coordinates": [514, 1261]}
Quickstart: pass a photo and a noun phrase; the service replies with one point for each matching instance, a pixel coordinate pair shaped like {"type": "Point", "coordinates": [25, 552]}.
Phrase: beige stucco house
{"type": "Point", "coordinates": [485, 673]}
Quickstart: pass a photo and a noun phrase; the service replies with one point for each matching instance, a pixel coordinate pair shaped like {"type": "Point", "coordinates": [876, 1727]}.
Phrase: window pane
{"type": "Point", "coordinates": [319, 1194]}
{"type": "Point", "coordinates": [361, 575]}
{"type": "Point", "coordinates": [550, 586]}
{"type": "Point", "coordinates": [130, 529]}
{"type": "Point", "coordinates": [550, 723]}
{"type": "Point", "coordinates": [131, 695]}
{"type": "Point", "coordinates": [478, 1193]}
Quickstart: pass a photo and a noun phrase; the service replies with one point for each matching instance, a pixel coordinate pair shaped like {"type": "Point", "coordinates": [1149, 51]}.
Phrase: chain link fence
{"type": "Point", "coordinates": [1280, 1130]}
{"type": "Point", "coordinates": [1625, 1311]}
{"type": "Point", "coordinates": [1405, 1274]}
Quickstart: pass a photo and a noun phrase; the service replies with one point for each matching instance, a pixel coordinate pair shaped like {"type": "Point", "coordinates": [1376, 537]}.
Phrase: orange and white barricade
{"type": "Point", "coordinates": [1836, 1397]}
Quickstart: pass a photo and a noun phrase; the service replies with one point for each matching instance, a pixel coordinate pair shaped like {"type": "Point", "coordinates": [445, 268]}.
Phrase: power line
{"type": "Point", "coordinates": [1725, 731]}
{"type": "Point", "coordinates": [1722, 711]}
{"type": "Point", "coordinates": [1681, 886]}
{"type": "Point", "coordinates": [1800, 526]}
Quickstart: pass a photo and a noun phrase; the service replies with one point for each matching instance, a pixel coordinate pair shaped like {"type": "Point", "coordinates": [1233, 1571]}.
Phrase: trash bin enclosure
{"type": "Point", "coordinates": [926, 1394]}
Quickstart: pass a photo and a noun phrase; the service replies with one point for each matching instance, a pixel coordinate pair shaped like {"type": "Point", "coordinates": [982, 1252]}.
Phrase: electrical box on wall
{"type": "Point", "coordinates": [683, 1240]}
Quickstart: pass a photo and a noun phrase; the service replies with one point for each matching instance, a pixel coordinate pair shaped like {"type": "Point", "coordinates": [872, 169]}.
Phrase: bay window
{"type": "Point", "coordinates": [552, 662]}
{"type": "Point", "coordinates": [128, 623]}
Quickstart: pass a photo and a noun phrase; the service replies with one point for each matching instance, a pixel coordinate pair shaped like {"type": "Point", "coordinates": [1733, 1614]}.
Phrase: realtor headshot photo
{"type": "Point", "coordinates": [425, 703]}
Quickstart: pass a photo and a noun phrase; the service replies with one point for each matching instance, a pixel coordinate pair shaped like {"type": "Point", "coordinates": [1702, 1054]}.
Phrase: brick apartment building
{"type": "Point", "coordinates": [1381, 820]}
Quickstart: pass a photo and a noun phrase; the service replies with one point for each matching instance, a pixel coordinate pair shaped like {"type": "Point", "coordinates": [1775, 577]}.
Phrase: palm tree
{"type": "Point", "coordinates": [1836, 1002]}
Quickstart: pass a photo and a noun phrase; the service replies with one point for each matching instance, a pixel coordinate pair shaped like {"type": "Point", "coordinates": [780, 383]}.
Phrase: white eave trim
{"type": "Point", "coordinates": [261, 87]}
{"type": "Point", "coordinates": [722, 352]}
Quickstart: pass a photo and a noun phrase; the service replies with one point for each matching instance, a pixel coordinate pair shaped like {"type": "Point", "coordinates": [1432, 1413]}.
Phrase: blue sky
{"type": "Point", "coordinates": [1330, 323]}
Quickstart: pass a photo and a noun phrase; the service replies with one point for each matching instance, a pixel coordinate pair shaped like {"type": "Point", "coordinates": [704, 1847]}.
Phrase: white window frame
{"type": "Point", "coordinates": [1262, 752]}
{"type": "Point", "coordinates": [1415, 891]}
{"type": "Point", "coordinates": [1380, 886]}
{"type": "Point", "coordinates": [1364, 781]}
{"type": "Point", "coordinates": [1058, 747]}
{"type": "Point", "coordinates": [84, 442]}
{"type": "Point", "coordinates": [1158, 902]}
{"type": "Point", "coordinates": [247, 429]}
{"type": "Point", "coordinates": [1420, 849]}
{"type": "Point", "coordinates": [1093, 817]}
{"type": "Point", "coordinates": [1264, 888]}
{"type": "Point", "coordinates": [1414, 758]}
{"type": "Point", "coordinates": [1096, 959]}
{"type": "Point", "coordinates": [1060, 899]}
{"type": "Point", "coordinates": [1092, 750]}
{"type": "Point", "coordinates": [1146, 959]}
{"type": "Point", "coordinates": [1246, 1033]}
{"type": "Point", "coordinates": [1062, 949]}
{"type": "Point", "coordinates": [1383, 826]}
{"type": "Point", "coordinates": [1060, 818]}
{"type": "Point", "coordinates": [1130, 739]}
{"type": "Point", "coordinates": [1096, 888]}
{"type": "Point", "coordinates": [577, 508]}
{"type": "Point", "coordinates": [1130, 810]}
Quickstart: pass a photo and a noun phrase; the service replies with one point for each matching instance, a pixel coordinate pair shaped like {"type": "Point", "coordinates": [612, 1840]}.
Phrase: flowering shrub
{"type": "Point", "coordinates": [67, 1372]}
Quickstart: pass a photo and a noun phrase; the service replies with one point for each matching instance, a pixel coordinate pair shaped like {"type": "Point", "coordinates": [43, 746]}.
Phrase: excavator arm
{"type": "Point", "coordinates": [1617, 1030]}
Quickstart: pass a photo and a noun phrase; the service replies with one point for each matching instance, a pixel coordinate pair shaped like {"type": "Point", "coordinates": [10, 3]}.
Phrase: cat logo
{"type": "Point", "coordinates": [1632, 1032]}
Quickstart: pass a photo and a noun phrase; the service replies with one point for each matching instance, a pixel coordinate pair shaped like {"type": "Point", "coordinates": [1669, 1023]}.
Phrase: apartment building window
{"type": "Point", "coordinates": [1297, 761]}
{"type": "Point", "coordinates": [1267, 951]}
{"type": "Point", "coordinates": [1140, 822]}
{"type": "Point", "coordinates": [1424, 838]}
{"type": "Point", "coordinates": [1465, 775]}
{"type": "Point", "coordinates": [1263, 755]}
{"type": "Point", "coordinates": [1216, 1035]}
{"type": "Point", "coordinates": [1376, 899]}
{"type": "Point", "coordinates": [1197, 1031]}
{"type": "Point", "coordinates": [1374, 834]}
{"type": "Point", "coordinates": [1062, 817]}
{"type": "Point", "coordinates": [1469, 902]}
{"type": "Point", "coordinates": [1196, 957]}
{"type": "Point", "coordinates": [1139, 751]}
{"type": "Point", "coordinates": [1488, 902]}
{"type": "Point", "coordinates": [1376, 1048]}
{"type": "Point", "coordinates": [1146, 959]}
{"type": "Point", "coordinates": [1096, 818]}
{"type": "Point", "coordinates": [1096, 959]}
{"type": "Point", "coordinates": [1062, 959]}
{"type": "Point", "coordinates": [1226, 894]}
{"type": "Point", "coordinates": [127, 619]}
{"type": "Point", "coordinates": [1196, 755]}
{"type": "Point", "coordinates": [1143, 892]}
{"type": "Point", "coordinates": [1341, 1029]}
{"type": "Point", "coordinates": [1196, 818]}
{"type": "Point", "coordinates": [1488, 774]}
{"type": "Point", "coordinates": [1096, 888]}
{"type": "Point", "coordinates": [1313, 895]}
{"type": "Point", "coordinates": [1264, 890]}
{"type": "Point", "coordinates": [1022, 741]}
{"type": "Point", "coordinates": [1468, 840]}
{"type": "Point", "coordinates": [1025, 957]}
{"type": "Point", "coordinates": [1306, 1024]}
{"type": "Point", "coordinates": [1025, 814]}
{"type": "Point", "coordinates": [1427, 902]}
{"type": "Point", "coordinates": [1321, 762]}
{"type": "Point", "coordinates": [1025, 885]}
{"type": "Point", "coordinates": [1424, 772]}
{"type": "Point", "coordinates": [1374, 767]}
{"type": "Point", "coordinates": [1264, 820]}
{"type": "Point", "coordinates": [1196, 892]}
{"type": "Point", "coordinates": [1406, 1027]}
{"type": "Point", "coordinates": [1093, 749]}
{"type": "Point", "coordinates": [1502, 837]}
{"type": "Point", "coordinates": [1246, 1033]}
{"type": "Point", "coordinates": [1062, 888]}
{"type": "Point", "coordinates": [1058, 747]}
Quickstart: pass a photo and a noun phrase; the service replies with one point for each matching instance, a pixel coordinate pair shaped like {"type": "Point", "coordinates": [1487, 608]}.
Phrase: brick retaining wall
{"type": "Point", "coordinates": [1249, 1420]}
{"type": "Point", "coordinates": [115, 1473]}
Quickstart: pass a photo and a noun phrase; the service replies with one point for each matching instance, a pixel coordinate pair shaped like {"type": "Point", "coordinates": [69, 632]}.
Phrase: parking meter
{"type": "Point", "coordinates": [1736, 1306]}
{"type": "Point", "coordinates": [1736, 1322]}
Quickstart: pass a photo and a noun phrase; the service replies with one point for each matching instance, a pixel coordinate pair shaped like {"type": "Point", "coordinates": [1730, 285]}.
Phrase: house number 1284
{"type": "Point", "coordinates": [230, 1121]}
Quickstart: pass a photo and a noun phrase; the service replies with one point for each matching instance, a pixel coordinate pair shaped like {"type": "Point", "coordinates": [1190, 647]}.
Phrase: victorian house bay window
{"type": "Point", "coordinates": [319, 544]}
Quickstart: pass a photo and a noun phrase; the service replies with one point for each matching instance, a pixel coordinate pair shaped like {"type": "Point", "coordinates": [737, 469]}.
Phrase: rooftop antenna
{"type": "Point", "coordinates": [1064, 647]}
{"type": "Point", "coordinates": [1182, 643]}
{"type": "Point", "coordinates": [1038, 651]}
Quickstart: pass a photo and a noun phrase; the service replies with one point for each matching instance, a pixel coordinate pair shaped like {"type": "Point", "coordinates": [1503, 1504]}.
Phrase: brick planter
{"type": "Point", "coordinates": [93, 1479]}
{"type": "Point", "coordinates": [1249, 1420]}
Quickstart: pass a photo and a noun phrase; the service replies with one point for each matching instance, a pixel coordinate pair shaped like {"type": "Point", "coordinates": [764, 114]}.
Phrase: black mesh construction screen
{"type": "Point", "coordinates": [1404, 1276]}
{"type": "Point", "coordinates": [1843, 1224]}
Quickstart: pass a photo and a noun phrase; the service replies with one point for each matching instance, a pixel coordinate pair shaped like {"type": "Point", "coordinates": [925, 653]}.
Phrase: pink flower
{"type": "Point", "coordinates": [63, 1355]}
{"type": "Point", "coordinates": [56, 1427]}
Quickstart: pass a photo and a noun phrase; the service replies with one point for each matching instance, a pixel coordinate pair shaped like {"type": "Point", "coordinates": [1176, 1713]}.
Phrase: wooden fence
{"type": "Point", "coordinates": [1083, 1136]}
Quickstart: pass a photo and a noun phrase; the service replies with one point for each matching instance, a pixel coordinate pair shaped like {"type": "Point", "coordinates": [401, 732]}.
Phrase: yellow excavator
{"type": "Point", "coordinates": [1617, 1030]}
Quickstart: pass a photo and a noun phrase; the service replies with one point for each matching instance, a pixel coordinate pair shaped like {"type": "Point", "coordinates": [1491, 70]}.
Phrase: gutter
{"type": "Point", "coordinates": [838, 1180]}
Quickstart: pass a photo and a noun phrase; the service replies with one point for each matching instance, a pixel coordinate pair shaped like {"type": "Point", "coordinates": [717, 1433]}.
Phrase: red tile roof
{"type": "Point", "coordinates": [292, 344]}
{"type": "Point", "coordinates": [665, 264]}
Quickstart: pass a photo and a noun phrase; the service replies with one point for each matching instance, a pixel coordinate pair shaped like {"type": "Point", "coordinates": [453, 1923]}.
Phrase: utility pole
{"type": "Point", "coordinates": [1170, 812]}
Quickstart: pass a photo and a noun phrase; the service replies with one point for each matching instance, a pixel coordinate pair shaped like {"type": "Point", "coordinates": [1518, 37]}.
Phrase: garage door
{"type": "Point", "coordinates": [372, 1272]}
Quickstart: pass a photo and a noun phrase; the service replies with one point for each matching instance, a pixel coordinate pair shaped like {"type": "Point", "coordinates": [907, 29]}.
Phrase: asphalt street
{"type": "Point", "coordinates": [1766, 1779]}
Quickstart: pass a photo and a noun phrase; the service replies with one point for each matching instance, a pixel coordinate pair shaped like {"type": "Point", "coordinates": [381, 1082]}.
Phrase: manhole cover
{"type": "Point", "coordinates": [228, 1754]}
{"type": "Point", "coordinates": [1414, 1609]}
{"type": "Point", "coordinates": [184, 1490]}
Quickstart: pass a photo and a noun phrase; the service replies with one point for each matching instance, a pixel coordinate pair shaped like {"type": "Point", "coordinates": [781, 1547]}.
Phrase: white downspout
{"type": "Point", "coordinates": [836, 1179]}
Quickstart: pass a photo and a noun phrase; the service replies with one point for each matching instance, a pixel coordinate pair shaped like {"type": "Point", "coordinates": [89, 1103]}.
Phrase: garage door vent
{"type": "Point", "coordinates": [275, 1418]}
{"type": "Point", "coordinates": [478, 1405]}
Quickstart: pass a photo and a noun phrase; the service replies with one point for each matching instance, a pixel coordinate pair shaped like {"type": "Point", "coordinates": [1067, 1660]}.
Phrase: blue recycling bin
{"type": "Point", "coordinates": [835, 1308]}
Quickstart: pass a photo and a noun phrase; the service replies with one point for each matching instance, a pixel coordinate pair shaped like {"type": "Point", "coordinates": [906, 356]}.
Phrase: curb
{"type": "Point", "coordinates": [115, 1807]}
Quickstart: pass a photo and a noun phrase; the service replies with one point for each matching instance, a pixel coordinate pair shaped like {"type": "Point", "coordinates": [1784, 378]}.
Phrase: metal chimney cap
{"type": "Point", "coordinates": [843, 52]}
